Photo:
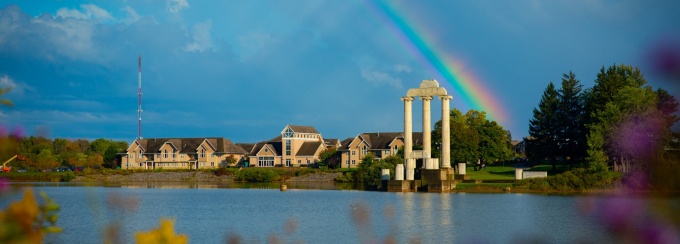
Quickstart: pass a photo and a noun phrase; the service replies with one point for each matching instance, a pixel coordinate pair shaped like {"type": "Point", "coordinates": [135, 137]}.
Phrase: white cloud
{"type": "Point", "coordinates": [201, 37]}
{"type": "Point", "coordinates": [88, 11]}
{"type": "Point", "coordinates": [381, 76]}
{"type": "Point", "coordinates": [16, 87]}
{"type": "Point", "coordinates": [174, 6]}
{"type": "Point", "coordinates": [253, 42]}
{"type": "Point", "coordinates": [402, 68]}
{"type": "Point", "coordinates": [132, 17]}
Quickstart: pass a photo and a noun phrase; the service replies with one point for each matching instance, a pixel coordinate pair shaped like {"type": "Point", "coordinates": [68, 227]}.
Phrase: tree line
{"type": "Point", "coordinates": [44, 153]}
{"type": "Point", "coordinates": [620, 123]}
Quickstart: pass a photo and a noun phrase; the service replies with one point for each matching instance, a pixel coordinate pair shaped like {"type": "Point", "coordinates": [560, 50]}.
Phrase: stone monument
{"type": "Point", "coordinates": [444, 172]}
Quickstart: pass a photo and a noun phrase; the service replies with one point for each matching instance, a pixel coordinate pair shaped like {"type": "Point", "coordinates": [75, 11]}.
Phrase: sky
{"type": "Point", "coordinates": [244, 70]}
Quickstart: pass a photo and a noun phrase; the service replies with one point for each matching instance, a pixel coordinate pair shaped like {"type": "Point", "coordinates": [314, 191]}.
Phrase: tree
{"type": "Point", "coordinates": [474, 137]}
{"type": "Point", "coordinates": [628, 124]}
{"type": "Point", "coordinates": [45, 160]}
{"type": "Point", "coordinates": [464, 139]}
{"type": "Point", "coordinates": [609, 82]}
{"type": "Point", "coordinates": [571, 131]}
{"type": "Point", "coordinates": [370, 170]}
{"type": "Point", "coordinates": [543, 128]}
{"type": "Point", "coordinates": [231, 160]}
{"type": "Point", "coordinates": [329, 158]}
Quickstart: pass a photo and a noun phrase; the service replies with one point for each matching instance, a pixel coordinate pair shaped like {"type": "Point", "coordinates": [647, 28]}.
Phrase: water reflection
{"type": "Point", "coordinates": [327, 216]}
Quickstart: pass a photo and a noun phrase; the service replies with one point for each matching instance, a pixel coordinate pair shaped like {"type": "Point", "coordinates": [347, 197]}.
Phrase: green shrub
{"type": "Point", "coordinates": [258, 175]}
{"type": "Point", "coordinates": [68, 176]}
{"type": "Point", "coordinates": [347, 176]}
{"type": "Point", "coordinates": [574, 180]}
{"type": "Point", "coordinates": [223, 171]}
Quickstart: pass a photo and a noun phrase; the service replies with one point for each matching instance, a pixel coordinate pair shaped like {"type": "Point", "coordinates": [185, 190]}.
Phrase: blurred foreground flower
{"type": "Point", "coordinates": [25, 221]}
{"type": "Point", "coordinates": [164, 234]}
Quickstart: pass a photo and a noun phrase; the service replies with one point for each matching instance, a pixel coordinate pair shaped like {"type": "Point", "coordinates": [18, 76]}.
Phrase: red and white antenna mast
{"type": "Point", "coordinates": [139, 99]}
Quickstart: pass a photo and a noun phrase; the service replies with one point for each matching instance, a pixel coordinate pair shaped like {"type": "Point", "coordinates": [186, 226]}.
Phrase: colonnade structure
{"type": "Point", "coordinates": [436, 175]}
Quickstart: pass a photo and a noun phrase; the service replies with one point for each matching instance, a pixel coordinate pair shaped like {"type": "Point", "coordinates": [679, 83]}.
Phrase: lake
{"type": "Point", "coordinates": [325, 213]}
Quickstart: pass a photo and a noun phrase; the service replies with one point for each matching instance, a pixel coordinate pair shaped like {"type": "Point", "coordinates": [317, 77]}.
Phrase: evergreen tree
{"type": "Point", "coordinates": [543, 128]}
{"type": "Point", "coordinates": [571, 137]}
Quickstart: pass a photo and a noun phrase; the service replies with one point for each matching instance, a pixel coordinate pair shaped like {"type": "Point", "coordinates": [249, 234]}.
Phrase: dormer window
{"type": "Point", "coordinates": [202, 153]}
{"type": "Point", "coordinates": [165, 154]}
{"type": "Point", "coordinates": [288, 133]}
{"type": "Point", "coordinates": [364, 150]}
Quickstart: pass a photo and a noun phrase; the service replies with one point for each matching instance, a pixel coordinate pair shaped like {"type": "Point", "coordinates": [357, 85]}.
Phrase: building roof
{"type": "Point", "coordinates": [308, 148]}
{"type": "Point", "coordinates": [303, 129]}
{"type": "Point", "coordinates": [248, 147]}
{"type": "Point", "coordinates": [331, 142]}
{"type": "Point", "coordinates": [190, 145]}
{"type": "Point", "coordinates": [345, 143]}
{"type": "Point", "coordinates": [382, 140]}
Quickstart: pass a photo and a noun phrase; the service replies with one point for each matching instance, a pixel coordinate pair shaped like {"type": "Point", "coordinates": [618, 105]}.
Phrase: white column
{"type": "Point", "coordinates": [410, 168]}
{"type": "Point", "coordinates": [427, 136]}
{"type": "Point", "coordinates": [408, 130]}
{"type": "Point", "coordinates": [461, 168]}
{"type": "Point", "coordinates": [446, 132]}
{"type": "Point", "coordinates": [399, 172]}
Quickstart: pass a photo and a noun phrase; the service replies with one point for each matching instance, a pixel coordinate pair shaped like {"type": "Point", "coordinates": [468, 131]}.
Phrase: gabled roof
{"type": "Point", "coordinates": [190, 145]}
{"type": "Point", "coordinates": [345, 143]}
{"type": "Point", "coordinates": [303, 129]}
{"type": "Point", "coordinates": [308, 148]}
{"type": "Point", "coordinates": [382, 140]}
{"type": "Point", "coordinates": [248, 147]}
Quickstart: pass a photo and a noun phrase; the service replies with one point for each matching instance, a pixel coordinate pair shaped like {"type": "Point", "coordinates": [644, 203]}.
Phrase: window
{"type": "Point", "coordinates": [130, 156]}
{"type": "Point", "coordinates": [354, 162]}
{"type": "Point", "coordinates": [165, 154]}
{"type": "Point", "coordinates": [184, 164]}
{"type": "Point", "coordinates": [202, 163]}
{"type": "Point", "coordinates": [175, 164]}
{"type": "Point", "coordinates": [266, 150]}
{"type": "Point", "coordinates": [364, 150]}
{"type": "Point", "coordinates": [354, 152]}
{"type": "Point", "coordinates": [299, 161]}
{"type": "Point", "coordinates": [212, 164]}
{"type": "Point", "coordinates": [287, 147]}
{"type": "Point", "coordinates": [288, 133]}
{"type": "Point", "coordinates": [182, 156]}
{"type": "Point", "coordinates": [141, 164]}
{"type": "Point", "coordinates": [212, 155]}
{"type": "Point", "coordinates": [287, 162]}
{"type": "Point", "coordinates": [174, 155]}
{"type": "Point", "coordinates": [202, 153]}
{"type": "Point", "coordinates": [140, 154]}
{"type": "Point", "coordinates": [307, 161]}
{"type": "Point", "coordinates": [265, 162]}
{"type": "Point", "coordinates": [387, 152]}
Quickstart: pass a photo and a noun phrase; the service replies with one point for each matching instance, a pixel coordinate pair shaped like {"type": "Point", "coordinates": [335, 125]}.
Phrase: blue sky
{"type": "Point", "coordinates": [244, 69]}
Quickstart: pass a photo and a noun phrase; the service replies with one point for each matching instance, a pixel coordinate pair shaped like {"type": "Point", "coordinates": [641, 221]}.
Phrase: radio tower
{"type": "Point", "coordinates": [139, 99]}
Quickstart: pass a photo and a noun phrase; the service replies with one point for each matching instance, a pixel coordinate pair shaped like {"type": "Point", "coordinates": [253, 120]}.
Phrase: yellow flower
{"type": "Point", "coordinates": [164, 234]}
{"type": "Point", "coordinates": [19, 220]}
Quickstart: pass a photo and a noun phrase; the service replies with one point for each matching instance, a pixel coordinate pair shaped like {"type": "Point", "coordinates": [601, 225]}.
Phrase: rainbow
{"type": "Point", "coordinates": [454, 72]}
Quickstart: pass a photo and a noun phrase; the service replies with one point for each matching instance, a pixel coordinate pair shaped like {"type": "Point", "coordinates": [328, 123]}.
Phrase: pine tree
{"type": "Point", "coordinates": [543, 127]}
{"type": "Point", "coordinates": [571, 137]}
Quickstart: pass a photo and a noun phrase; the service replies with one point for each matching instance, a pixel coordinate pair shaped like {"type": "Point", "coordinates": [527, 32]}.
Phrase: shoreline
{"type": "Point", "coordinates": [322, 177]}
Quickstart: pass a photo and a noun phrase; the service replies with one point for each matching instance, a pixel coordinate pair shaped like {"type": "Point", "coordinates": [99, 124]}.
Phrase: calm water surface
{"type": "Point", "coordinates": [208, 213]}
